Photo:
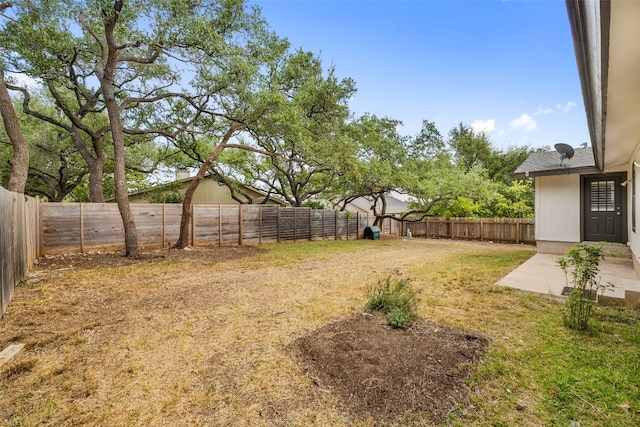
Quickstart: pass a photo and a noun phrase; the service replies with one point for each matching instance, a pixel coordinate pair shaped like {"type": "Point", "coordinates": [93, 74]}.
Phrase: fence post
{"type": "Point", "coordinates": [518, 231]}
{"type": "Point", "coordinates": [240, 224]}
{"type": "Point", "coordinates": [193, 225]}
{"type": "Point", "coordinates": [481, 229]}
{"type": "Point", "coordinates": [357, 225]}
{"type": "Point", "coordinates": [336, 225]}
{"type": "Point", "coordinates": [219, 224]}
{"type": "Point", "coordinates": [347, 225]}
{"type": "Point", "coordinates": [278, 223]}
{"type": "Point", "coordinates": [323, 223]}
{"type": "Point", "coordinates": [310, 225]}
{"type": "Point", "coordinates": [164, 226]}
{"type": "Point", "coordinates": [260, 224]}
{"type": "Point", "coordinates": [295, 225]}
{"type": "Point", "coordinates": [81, 228]}
{"type": "Point", "coordinates": [40, 231]}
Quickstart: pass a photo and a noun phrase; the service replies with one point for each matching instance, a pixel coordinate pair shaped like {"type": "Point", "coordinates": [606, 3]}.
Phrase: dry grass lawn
{"type": "Point", "coordinates": [201, 337]}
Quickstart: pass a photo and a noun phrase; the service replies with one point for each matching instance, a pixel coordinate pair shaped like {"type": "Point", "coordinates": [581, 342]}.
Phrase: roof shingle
{"type": "Point", "coordinates": [543, 163]}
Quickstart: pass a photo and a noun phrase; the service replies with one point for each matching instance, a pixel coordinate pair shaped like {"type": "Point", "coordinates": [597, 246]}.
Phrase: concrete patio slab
{"type": "Point", "coordinates": [540, 274]}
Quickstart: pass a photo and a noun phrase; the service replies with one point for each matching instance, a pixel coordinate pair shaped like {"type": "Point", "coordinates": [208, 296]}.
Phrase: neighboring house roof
{"type": "Point", "coordinates": [394, 206]}
{"type": "Point", "coordinates": [543, 163]}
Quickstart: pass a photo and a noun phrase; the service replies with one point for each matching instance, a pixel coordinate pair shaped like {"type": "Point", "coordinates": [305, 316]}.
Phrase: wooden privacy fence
{"type": "Point", "coordinates": [514, 230]}
{"type": "Point", "coordinates": [83, 227]}
{"type": "Point", "coordinates": [18, 241]}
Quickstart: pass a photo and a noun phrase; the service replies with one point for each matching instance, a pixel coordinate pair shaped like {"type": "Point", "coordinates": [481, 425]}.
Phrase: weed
{"type": "Point", "coordinates": [396, 299]}
{"type": "Point", "coordinates": [582, 263]}
{"type": "Point", "coordinates": [399, 318]}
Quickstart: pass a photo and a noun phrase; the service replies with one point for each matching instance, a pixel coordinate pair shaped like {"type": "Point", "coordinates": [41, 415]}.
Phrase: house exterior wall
{"type": "Point", "coordinates": [633, 224]}
{"type": "Point", "coordinates": [557, 212]}
{"type": "Point", "coordinates": [356, 209]}
{"type": "Point", "coordinates": [208, 192]}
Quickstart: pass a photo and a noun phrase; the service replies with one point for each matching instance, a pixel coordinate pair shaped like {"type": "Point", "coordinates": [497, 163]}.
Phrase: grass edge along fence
{"type": "Point", "coordinates": [19, 225]}
{"type": "Point", "coordinates": [513, 230]}
{"type": "Point", "coordinates": [86, 227]}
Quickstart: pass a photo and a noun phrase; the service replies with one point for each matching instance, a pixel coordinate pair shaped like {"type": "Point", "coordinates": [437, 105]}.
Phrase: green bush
{"type": "Point", "coordinates": [396, 299]}
{"type": "Point", "coordinates": [400, 319]}
{"type": "Point", "coordinates": [582, 264]}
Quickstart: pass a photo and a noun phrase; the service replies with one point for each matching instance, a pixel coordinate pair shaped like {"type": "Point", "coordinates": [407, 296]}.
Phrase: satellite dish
{"type": "Point", "coordinates": [565, 150]}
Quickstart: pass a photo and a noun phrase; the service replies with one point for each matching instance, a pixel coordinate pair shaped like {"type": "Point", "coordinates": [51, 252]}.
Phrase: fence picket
{"type": "Point", "coordinates": [515, 230]}
{"type": "Point", "coordinates": [155, 223]}
{"type": "Point", "coordinates": [19, 244]}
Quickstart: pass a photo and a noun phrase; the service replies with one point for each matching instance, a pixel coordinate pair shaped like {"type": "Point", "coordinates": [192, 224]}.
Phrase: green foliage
{"type": "Point", "coordinates": [503, 163]}
{"type": "Point", "coordinates": [301, 125]}
{"type": "Point", "coordinates": [56, 167]}
{"type": "Point", "coordinates": [379, 162]}
{"type": "Point", "coordinates": [445, 189]}
{"type": "Point", "coordinates": [399, 318]}
{"type": "Point", "coordinates": [510, 201]}
{"type": "Point", "coordinates": [471, 149]}
{"type": "Point", "coordinates": [397, 299]}
{"type": "Point", "coordinates": [165, 197]}
{"type": "Point", "coordinates": [313, 204]}
{"type": "Point", "coordinates": [582, 264]}
{"type": "Point", "coordinates": [474, 149]}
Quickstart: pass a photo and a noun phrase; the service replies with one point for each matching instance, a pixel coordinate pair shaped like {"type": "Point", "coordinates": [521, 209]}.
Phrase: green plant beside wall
{"type": "Point", "coordinates": [396, 299]}
{"type": "Point", "coordinates": [582, 264]}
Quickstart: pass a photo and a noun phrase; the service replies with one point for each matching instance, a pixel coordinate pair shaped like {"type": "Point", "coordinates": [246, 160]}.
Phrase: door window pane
{"type": "Point", "coordinates": [602, 196]}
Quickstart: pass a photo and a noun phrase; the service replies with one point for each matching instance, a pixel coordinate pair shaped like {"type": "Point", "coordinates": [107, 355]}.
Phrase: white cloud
{"type": "Point", "coordinates": [485, 126]}
{"type": "Point", "coordinates": [540, 111]}
{"type": "Point", "coordinates": [558, 107]}
{"type": "Point", "coordinates": [568, 106]}
{"type": "Point", "coordinates": [524, 122]}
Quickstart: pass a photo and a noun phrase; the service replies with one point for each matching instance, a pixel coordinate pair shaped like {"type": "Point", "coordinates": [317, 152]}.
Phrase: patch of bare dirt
{"type": "Point", "coordinates": [101, 259]}
{"type": "Point", "coordinates": [389, 374]}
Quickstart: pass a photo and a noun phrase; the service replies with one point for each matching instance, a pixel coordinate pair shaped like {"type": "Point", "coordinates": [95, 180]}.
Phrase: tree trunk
{"type": "Point", "coordinates": [95, 161]}
{"type": "Point", "coordinates": [96, 170]}
{"type": "Point", "coordinates": [105, 70]}
{"type": "Point", "coordinates": [187, 207]}
{"type": "Point", "coordinates": [119, 172]}
{"type": "Point", "coordinates": [379, 215]}
{"type": "Point", "coordinates": [20, 160]}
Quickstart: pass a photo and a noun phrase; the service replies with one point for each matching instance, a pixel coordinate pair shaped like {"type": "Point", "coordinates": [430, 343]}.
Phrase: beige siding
{"type": "Point", "coordinates": [558, 208]}
{"type": "Point", "coordinates": [208, 192]}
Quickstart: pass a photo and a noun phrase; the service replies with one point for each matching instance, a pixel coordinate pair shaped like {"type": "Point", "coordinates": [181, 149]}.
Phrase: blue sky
{"type": "Point", "coordinates": [507, 67]}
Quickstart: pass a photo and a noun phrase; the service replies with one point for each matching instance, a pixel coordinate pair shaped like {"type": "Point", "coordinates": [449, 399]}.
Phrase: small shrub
{"type": "Point", "coordinates": [396, 299]}
{"type": "Point", "coordinates": [399, 318]}
{"type": "Point", "coordinates": [582, 263]}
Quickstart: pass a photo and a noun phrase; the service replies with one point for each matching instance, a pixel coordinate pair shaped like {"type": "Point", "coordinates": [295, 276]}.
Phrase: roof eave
{"type": "Point", "coordinates": [563, 171]}
{"type": "Point", "coordinates": [590, 22]}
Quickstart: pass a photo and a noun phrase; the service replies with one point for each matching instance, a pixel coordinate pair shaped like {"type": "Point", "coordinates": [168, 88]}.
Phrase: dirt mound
{"type": "Point", "coordinates": [389, 374]}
